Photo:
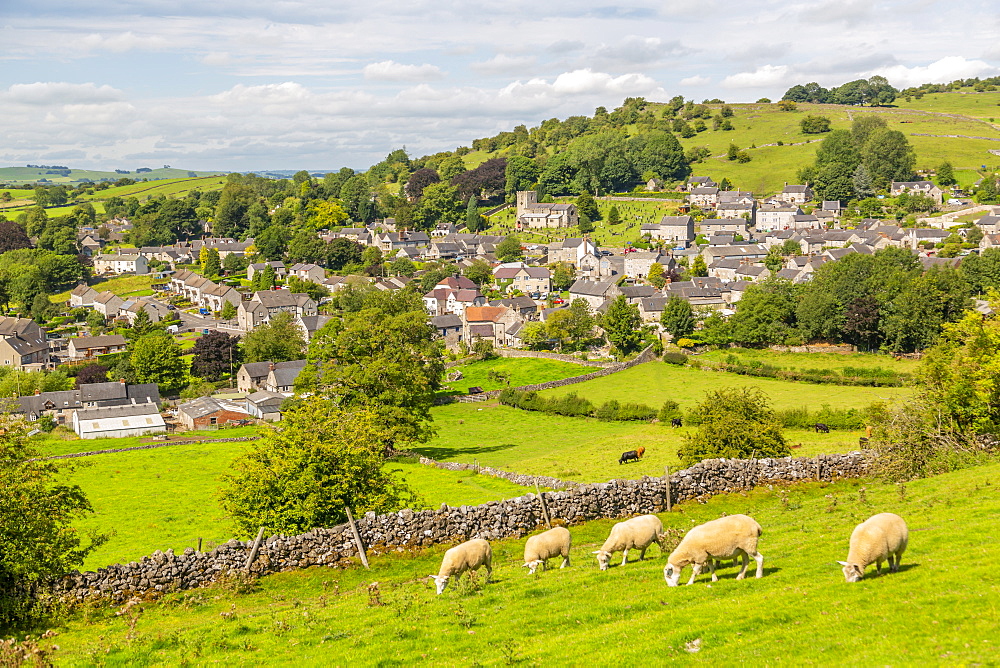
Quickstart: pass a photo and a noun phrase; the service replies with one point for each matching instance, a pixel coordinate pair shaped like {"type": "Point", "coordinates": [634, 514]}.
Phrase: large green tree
{"type": "Point", "coordinates": [305, 471]}
{"type": "Point", "coordinates": [38, 511]}
{"type": "Point", "coordinates": [677, 317]}
{"type": "Point", "coordinates": [383, 357]}
{"type": "Point", "coordinates": [276, 341]}
{"type": "Point", "coordinates": [621, 324]}
{"type": "Point", "coordinates": [156, 358]}
{"type": "Point", "coordinates": [736, 423]}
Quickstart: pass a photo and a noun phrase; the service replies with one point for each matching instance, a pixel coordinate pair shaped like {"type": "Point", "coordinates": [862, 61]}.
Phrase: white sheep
{"type": "Point", "coordinates": [725, 538]}
{"type": "Point", "coordinates": [469, 556]}
{"type": "Point", "coordinates": [879, 538]}
{"type": "Point", "coordinates": [638, 533]}
{"type": "Point", "coordinates": [552, 543]}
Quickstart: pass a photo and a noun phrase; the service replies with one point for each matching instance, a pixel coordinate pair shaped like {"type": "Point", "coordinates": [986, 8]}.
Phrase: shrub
{"type": "Point", "coordinates": [670, 410]}
{"type": "Point", "coordinates": [734, 423]}
{"type": "Point", "coordinates": [686, 343]}
{"type": "Point", "coordinates": [675, 358]}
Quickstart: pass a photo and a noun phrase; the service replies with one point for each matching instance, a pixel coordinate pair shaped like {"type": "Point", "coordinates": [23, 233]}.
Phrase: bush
{"type": "Point", "coordinates": [670, 410]}
{"type": "Point", "coordinates": [613, 411]}
{"type": "Point", "coordinates": [572, 405]}
{"type": "Point", "coordinates": [686, 343]}
{"type": "Point", "coordinates": [734, 423]}
{"type": "Point", "coordinates": [675, 358]}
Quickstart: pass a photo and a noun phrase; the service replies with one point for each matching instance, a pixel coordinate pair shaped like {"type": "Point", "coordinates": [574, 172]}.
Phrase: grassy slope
{"type": "Point", "coordinates": [522, 370]}
{"type": "Point", "coordinates": [940, 608]}
{"type": "Point", "coordinates": [126, 285]}
{"type": "Point", "coordinates": [830, 361]}
{"type": "Point", "coordinates": [656, 382]}
{"type": "Point", "coordinates": [30, 175]}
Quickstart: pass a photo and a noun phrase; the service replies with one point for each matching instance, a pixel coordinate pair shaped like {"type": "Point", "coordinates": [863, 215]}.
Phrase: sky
{"type": "Point", "coordinates": [294, 84]}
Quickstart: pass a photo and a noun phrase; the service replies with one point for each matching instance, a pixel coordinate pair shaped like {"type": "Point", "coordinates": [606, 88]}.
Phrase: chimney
{"type": "Point", "coordinates": [121, 380]}
{"type": "Point", "coordinates": [37, 392]}
{"type": "Point", "coordinates": [270, 366]}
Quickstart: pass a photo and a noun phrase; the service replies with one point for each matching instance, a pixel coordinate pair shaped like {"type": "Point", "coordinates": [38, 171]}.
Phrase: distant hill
{"type": "Point", "coordinates": [57, 175]}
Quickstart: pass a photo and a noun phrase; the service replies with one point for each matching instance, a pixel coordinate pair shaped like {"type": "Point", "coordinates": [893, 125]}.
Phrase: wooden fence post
{"type": "Point", "coordinates": [545, 510]}
{"type": "Point", "coordinates": [199, 543]}
{"type": "Point", "coordinates": [254, 550]}
{"type": "Point", "coordinates": [666, 480]}
{"type": "Point", "coordinates": [357, 537]}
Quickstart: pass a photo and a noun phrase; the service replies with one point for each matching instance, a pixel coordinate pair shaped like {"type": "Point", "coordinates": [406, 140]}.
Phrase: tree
{"type": "Point", "coordinates": [276, 341]}
{"type": "Point", "coordinates": [228, 311]}
{"type": "Point", "coordinates": [272, 242]}
{"type": "Point", "coordinates": [479, 272]}
{"type": "Point", "coordinates": [677, 317]}
{"type": "Point", "coordinates": [215, 355]}
{"type": "Point", "coordinates": [419, 180]}
{"type": "Point", "coordinates": [439, 204]}
{"type": "Point", "coordinates": [814, 125]}
{"type": "Point", "coordinates": [655, 276]}
{"type": "Point", "coordinates": [888, 156]}
{"type": "Point", "coordinates": [306, 246]}
{"type": "Point", "coordinates": [735, 423]}
{"type": "Point", "coordinates": [142, 324]}
{"type": "Point", "coordinates": [765, 314]}
{"type": "Point", "coordinates": [302, 474]}
{"type": "Point", "coordinates": [37, 528]}
{"type": "Point", "coordinates": [382, 357]}
{"type": "Point", "coordinates": [91, 373]}
{"type": "Point", "coordinates": [156, 358]}
{"type": "Point", "coordinates": [862, 182]}
{"type": "Point", "coordinates": [402, 266]}
{"type": "Point", "coordinates": [585, 225]}
{"type": "Point", "coordinates": [614, 216]}
{"type": "Point", "coordinates": [572, 327]}
{"type": "Point", "coordinates": [342, 252]}
{"type": "Point", "coordinates": [834, 181]}
{"type": "Point", "coordinates": [621, 325]}
{"type": "Point", "coordinates": [210, 264]}
{"type": "Point", "coordinates": [473, 220]}
{"type": "Point", "coordinates": [315, 291]}
{"type": "Point", "coordinates": [699, 267]}
{"type": "Point", "coordinates": [946, 174]}
{"type": "Point", "coordinates": [509, 250]}
{"type": "Point", "coordinates": [563, 275]}
{"type": "Point", "coordinates": [95, 320]}
{"type": "Point", "coordinates": [586, 205]}
{"type": "Point", "coordinates": [521, 174]}
{"type": "Point", "coordinates": [12, 236]}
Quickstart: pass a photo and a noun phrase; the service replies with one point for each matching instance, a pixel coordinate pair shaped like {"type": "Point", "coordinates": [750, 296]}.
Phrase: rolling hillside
{"type": "Point", "coordinates": [21, 175]}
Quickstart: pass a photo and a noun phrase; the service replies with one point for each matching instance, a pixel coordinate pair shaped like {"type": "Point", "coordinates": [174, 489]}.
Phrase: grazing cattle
{"type": "Point", "coordinates": [675, 422]}
{"type": "Point", "coordinates": [641, 451]}
{"type": "Point", "coordinates": [863, 441]}
{"type": "Point", "coordinates": [820, 427]}
{"type": "Point", "coordinates": [630, 456]}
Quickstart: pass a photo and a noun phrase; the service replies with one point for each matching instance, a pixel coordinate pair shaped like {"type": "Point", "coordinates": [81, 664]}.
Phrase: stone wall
{"type": "Point", "coordinates": [406, 529]}
{"type": "Point", "coordinates": [150, 446]}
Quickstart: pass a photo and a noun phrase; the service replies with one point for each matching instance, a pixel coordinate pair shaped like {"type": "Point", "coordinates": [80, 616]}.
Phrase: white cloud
{"type": "Point", "coordinates": [122, 42]}
{"type": "Point", "coordinates": [504, 64]}
{"type": "Point", "coordinates": [762, 77]}
{"type": "Point", "coordinates": [940, 71]}
{"type": "Point", "coordinates": [588, 81]}
{"type": "Point", "coordinates": [56, 93]}
{"type": "Point", "coordinates": [390, 70]}
{"type": "Point", "coordinates": [634, 50]}
{"type": "Point", "coordinates": [696, 80]}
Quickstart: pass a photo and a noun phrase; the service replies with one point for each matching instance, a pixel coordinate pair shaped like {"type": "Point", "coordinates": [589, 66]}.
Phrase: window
{"type": "Point", "coordinates": [213, 420]}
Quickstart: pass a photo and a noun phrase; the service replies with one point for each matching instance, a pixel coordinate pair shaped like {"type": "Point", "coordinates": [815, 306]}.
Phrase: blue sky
{"type": "Point", "coordinates": [289, 84]}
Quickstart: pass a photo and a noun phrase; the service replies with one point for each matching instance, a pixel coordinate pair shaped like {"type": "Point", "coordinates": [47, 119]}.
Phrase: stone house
{"type": "Point", "coordinates": [277, 265]}
{"type": "Point", "coordinates": [307, 272]}
{"type": "Point", "coordinates": [795, 194]}
{"type": "Point", "coordinates": [209, 412]}
{"type": "Point", "coordinates": [528, 280]}
{"type": "Point", "coordinates": [671, 228]}
{"type": "Point", "coordinates": [121, 264]}
{"type": "Point", "coordinates": [252, 375]}
{"type": "Point", "coordinates": [712, 226]}
{"type": "Point", "coordinates": [703, 196]}
{"type": "Point", "coordinates": [82, 295]}
{"type": "Point", "coordinates": [108, 304]}
{"type": "Point", "coordinates": [87, 347]}
{"type": "Point", "coordinates": [533, 214]}
{"type": "Point", "coordinates": [266, 304]}
{"type": "Point", "coordinates": [449, 328]}
{"type": "Point", "coordinates": [22, 344]}
{"type": "Point", "coordinates": [917, 188]}
{"type": "Point", "coordinates": [776, 216]}
{"type": "Point", "coordinates": [493, 323]}
{"type": "Point", "coordinates": [594, 293]}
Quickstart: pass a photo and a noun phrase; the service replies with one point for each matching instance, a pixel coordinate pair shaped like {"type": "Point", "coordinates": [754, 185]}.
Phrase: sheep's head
{"type": "Point", "coordinates": [852, 572]}
{"type": "Point", "coordinates": [532, 565]}
{"type": "Point", "coordinates": [602, 559]}
{"type": "Point", "coordinates": [441, 581]}
{"type": "Point", "coordinates": [672, 574]}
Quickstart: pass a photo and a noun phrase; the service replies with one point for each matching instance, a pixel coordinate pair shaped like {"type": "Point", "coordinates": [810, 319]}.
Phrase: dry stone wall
{"type": "Point", "coordinates": [542, 354]}
{"type": "Point", "coordinates": [408, 529]}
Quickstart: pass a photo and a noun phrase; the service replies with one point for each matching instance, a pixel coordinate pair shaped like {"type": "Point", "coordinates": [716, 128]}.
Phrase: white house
{"type": "Point", "coordinates": [121, 264]}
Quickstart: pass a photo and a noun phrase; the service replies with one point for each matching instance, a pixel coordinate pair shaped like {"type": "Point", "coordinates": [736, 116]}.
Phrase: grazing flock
{"type": "Point", "coordinates": [880, 538]}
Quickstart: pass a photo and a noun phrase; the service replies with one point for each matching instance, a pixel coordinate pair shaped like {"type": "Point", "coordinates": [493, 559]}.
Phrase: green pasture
{"type": "Point", "coordinates": [522, 370]}
{"type": "Point", "coordinates": [827, 361]}
{"type": "Point", "coordinates": [655, 382]}
{"type": "Point", "coordinates": [166, 497]}
{"type": "Point", "coordinates": [983, 106]}
{"type": "Point", "coordinates": [21, 175]}
{"type": "Point", "coordinates": [577, 449]}
{"type": "Point", "coordinates": [127, 285]}
{"type": "Point", "coordinates": [940, 608]}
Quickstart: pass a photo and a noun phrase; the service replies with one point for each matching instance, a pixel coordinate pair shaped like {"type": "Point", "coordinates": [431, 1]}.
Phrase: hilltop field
{"type": "Point", "coordinates": [20, 175]}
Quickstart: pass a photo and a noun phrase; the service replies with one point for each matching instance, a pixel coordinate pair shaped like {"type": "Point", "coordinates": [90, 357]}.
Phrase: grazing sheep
{"type": "Point", "coordinates": [638, 533]}
{"type": "Point", "coordinates": [725, 538]}
{"type": "Point", "coordinates": [879, 538]}
{"type": "Point", "coordinates": [629, 456]}
{"type": "Point", "coordinates": [468, 556]}
{"type": "Point", "coordinates": [552, 543]}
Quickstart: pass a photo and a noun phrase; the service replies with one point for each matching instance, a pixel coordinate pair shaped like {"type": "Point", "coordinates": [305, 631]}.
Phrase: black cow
{"type": "Point", "coordinates": [675, 422]}
{"type": "Point", "coordinates": [820, 427]}
{"type": "Point", "coordinates": [630, 456]}
{"type": "Point", "coordinates": [863, 441]}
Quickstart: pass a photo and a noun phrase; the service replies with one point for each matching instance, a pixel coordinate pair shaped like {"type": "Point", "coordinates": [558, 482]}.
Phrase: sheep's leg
{"type": "Point", "coordinates": [695, 569]}
{"type": "Point", "coordinates": [746, 562]}
{"type": "Point", "coordinates": [711, 565]}
{"type": "Point", "coordinates": [642, 554]}
{"type": "Point", "coordinates": [759, 558]}
{"type": "Point", "coordinates": [624, 556]}
{"type": "Point", "coordinates": [878, 567]}
{"type": "Point", "coordinates": [565, 561]}
{"type": "Point", "coordinates": [893, 564]}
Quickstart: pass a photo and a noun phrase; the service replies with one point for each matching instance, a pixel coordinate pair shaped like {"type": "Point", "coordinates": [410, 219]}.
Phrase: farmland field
{"type": "Point", "coordinates": [522, 370]}
{"type": "Point", "coordinates": [825, 361]}
{"type": "Point", "coordinates": [939, 608]}
{"type": "Point", "coordinates": [130, 285]}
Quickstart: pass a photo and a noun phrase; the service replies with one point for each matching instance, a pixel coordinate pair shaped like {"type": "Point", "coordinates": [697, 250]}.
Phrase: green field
{"type": "Point", "coordinates": [940, 608]}
{"type": "Point", "coordinates": [827, 361]}
{"type": "Point", "coordinates": [655, 382]}
{"type": "Point", "coordinates": [166, 497]}
{"type": "Point", "coordinates": [21, 175]}
{"type": "Point", "coordinates": [522, 370]}
{"type": "Point", "coordinates": [129, 285]}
